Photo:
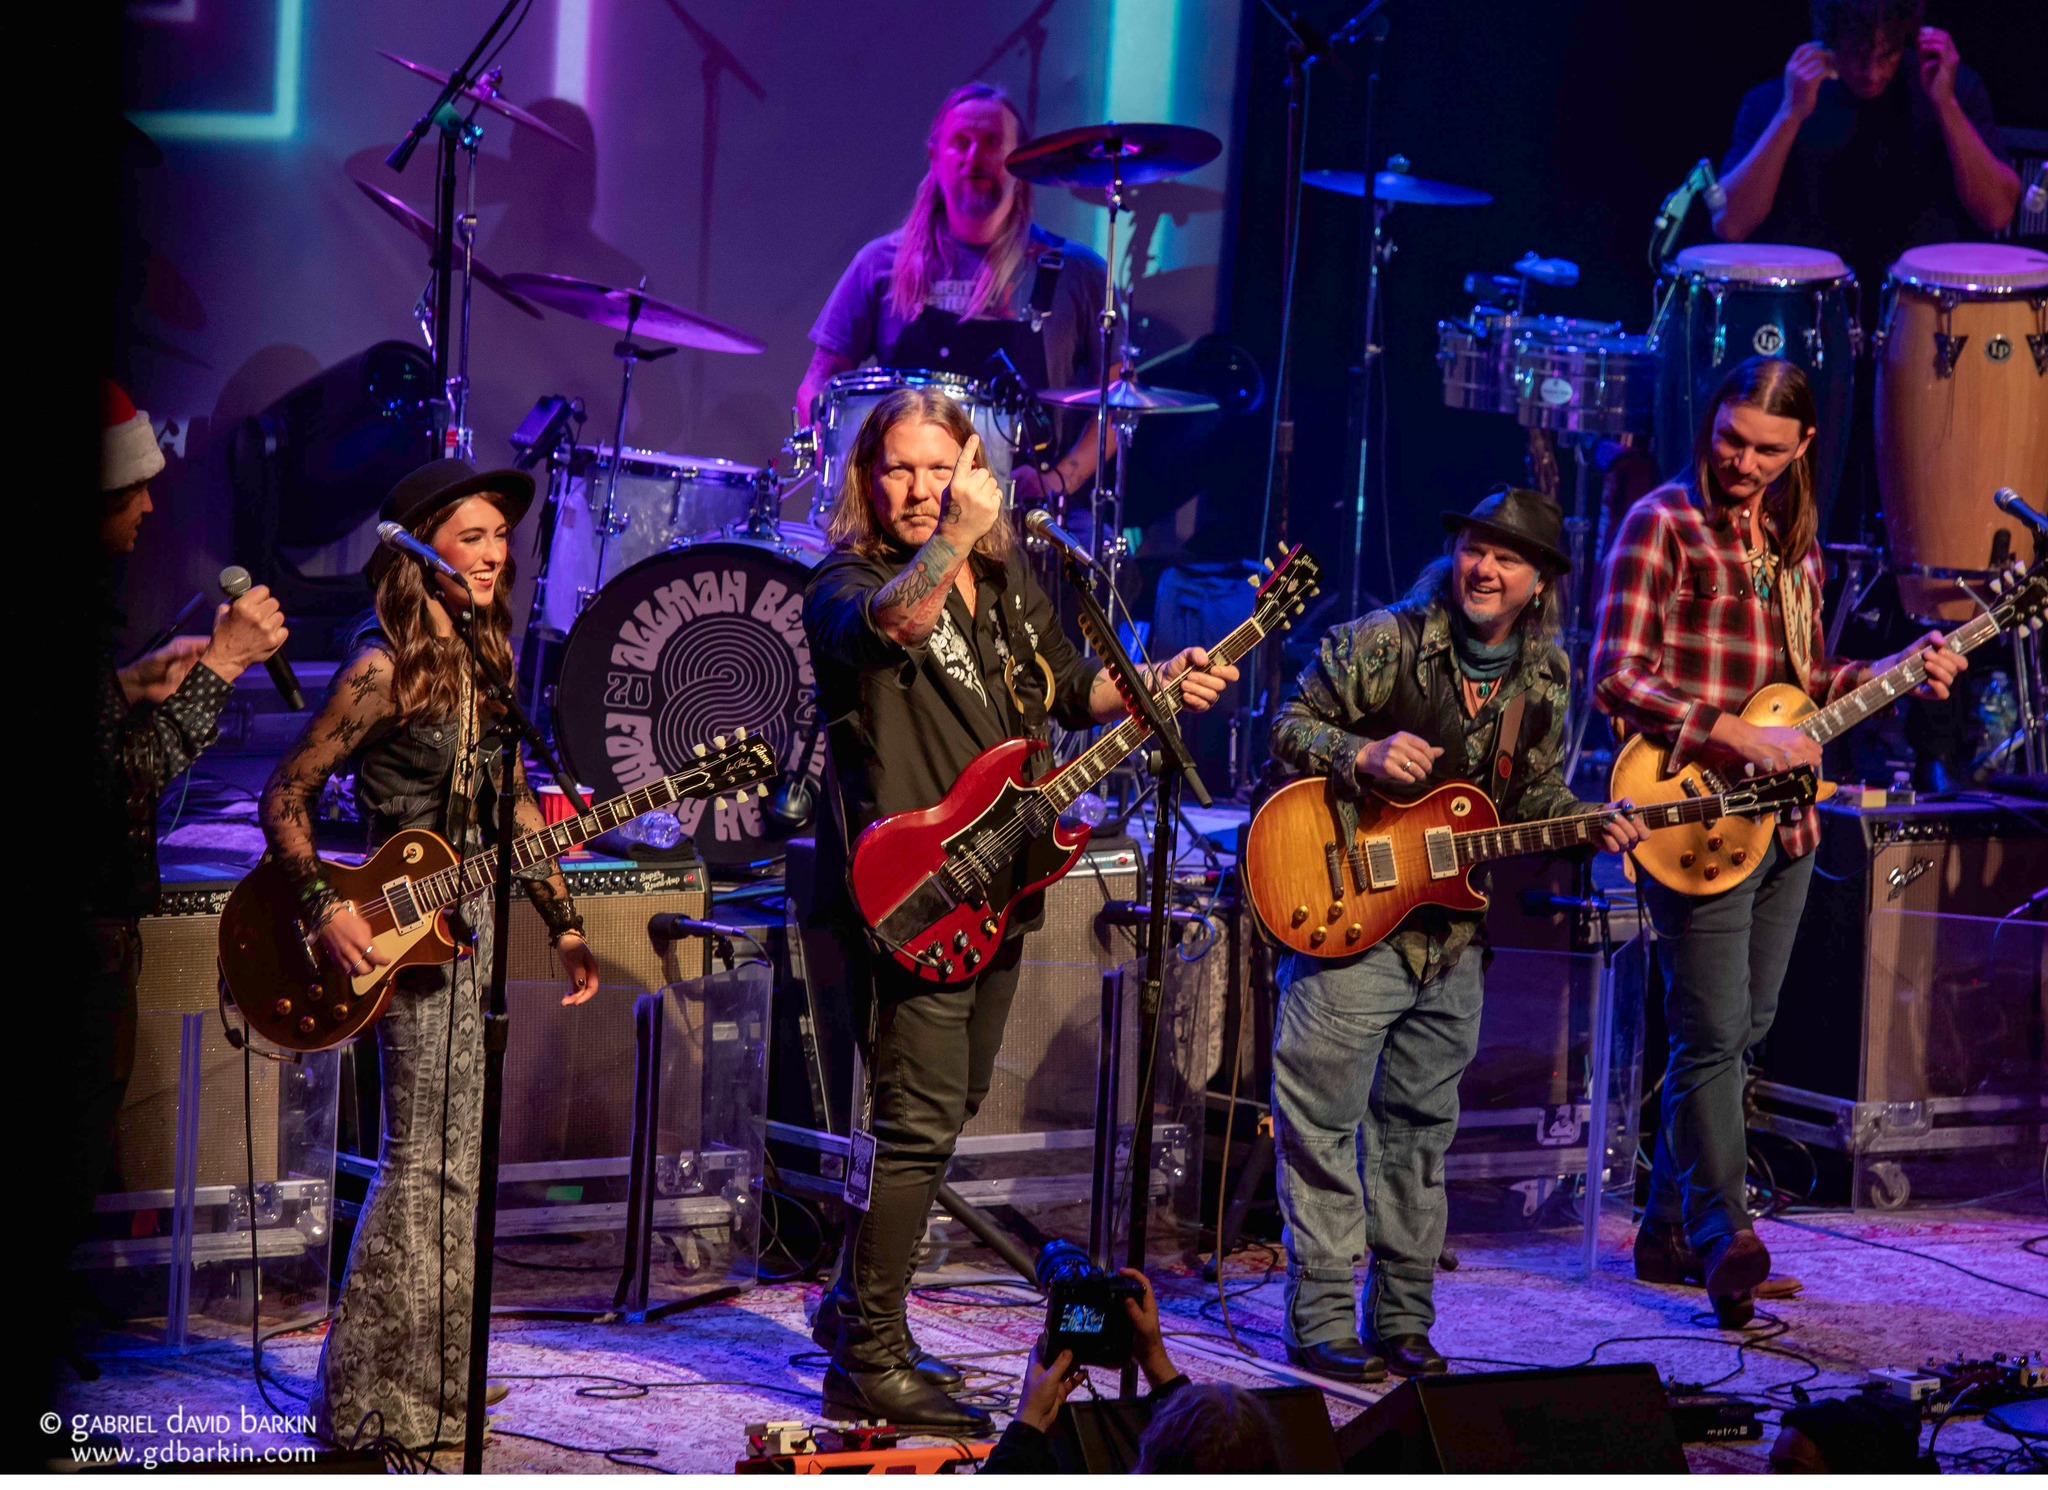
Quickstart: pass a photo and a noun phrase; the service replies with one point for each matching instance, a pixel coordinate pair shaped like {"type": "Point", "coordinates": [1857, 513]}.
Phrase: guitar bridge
{"type": "Point", "coordinates": [1357, 862]}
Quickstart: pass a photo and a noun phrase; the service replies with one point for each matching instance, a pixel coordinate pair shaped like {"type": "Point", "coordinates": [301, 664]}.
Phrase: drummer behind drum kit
{"type": "Point", "coordinates": [671, 586]}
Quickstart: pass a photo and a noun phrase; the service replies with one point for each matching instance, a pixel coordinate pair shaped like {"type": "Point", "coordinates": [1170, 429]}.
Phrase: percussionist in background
{"type": "Point", "coordinates": [969, 281]}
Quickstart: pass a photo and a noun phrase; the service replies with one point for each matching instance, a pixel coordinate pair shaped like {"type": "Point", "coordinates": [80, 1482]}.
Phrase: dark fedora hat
{"type": "Point", "coordinates": [440, 484]}
{"type": "Point", "coordinates": [1522, 519]}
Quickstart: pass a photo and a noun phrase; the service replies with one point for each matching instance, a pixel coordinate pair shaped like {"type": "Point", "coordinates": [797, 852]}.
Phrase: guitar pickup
{"type": "Point", "coordinates": [1443, 853]}
{"type": "Point", "coordinates": [405, 912]}
{"type": "Point", "coordinates": [1379, 863]}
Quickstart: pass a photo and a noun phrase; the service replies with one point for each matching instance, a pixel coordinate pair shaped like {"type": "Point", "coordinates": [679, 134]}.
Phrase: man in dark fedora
{"type": "Point", "coordinates": [1462, 680]}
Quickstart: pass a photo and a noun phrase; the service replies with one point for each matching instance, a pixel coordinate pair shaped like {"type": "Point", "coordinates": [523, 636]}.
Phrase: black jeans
{"type": "Point", "coordinates": [933, 1056]}
{"type": "Point", "coordinates": [1724, 959]}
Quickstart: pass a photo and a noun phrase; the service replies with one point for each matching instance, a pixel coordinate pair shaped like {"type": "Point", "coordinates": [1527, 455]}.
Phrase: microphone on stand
{"type": "Point", "coordinates": [2036, 199]}
{"type": "Point", "coordinates": [1040, 524]}
{"type": "Point", "coordinates": [2012, 504]}
{"type": "Point", "coordinates": [395, 538]}
{"type": "Point", "coordinates": [234, 583]}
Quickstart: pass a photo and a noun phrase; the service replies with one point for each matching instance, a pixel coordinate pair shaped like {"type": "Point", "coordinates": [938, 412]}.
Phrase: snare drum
{"type": "Point", "coordinates": [1720, 303]}
{"type": "Point", "coordinates": [1962, 410]}
{"type": "Point", "coordinates": [661, 500]}
{"type": "Point", "coordinates": [1477, 354]}
{"type": "Point", "coordinates": [839, 411]}
{"type": "Point", "coordinates": [1599, 385]}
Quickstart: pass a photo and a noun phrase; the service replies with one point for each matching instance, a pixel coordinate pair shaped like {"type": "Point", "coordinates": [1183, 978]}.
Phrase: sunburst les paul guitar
{"type": "Point", "coordinates": [937, 886]}
{"type": "Point", "coordinates": [293, 994]}
{"type": "Point", "coordinates": [1711, 857]}
{"type": "Point", "coordinates": [1329, 898]}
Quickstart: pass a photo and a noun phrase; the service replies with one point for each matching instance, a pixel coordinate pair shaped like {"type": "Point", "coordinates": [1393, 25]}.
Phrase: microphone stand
{"type": "Point", "coordinates": [1171, 765]}
{"type": "Point", "coordinates": [1372, 252]}
{"type": "Point", "coordinates": [497, 1028]}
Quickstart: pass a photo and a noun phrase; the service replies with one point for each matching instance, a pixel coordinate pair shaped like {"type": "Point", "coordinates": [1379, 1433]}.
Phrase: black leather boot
{"type": "Point", "coordinates": [894, 1335]}
{"type": "Point", "coordinates": [1663, 1255]}
{"type": "Point", "coordinates": [1411, 1355]}
{"type": "Point", "coordinates": [1340, 1360]}
{"type": "Point", "coordinates": [900, 1396]}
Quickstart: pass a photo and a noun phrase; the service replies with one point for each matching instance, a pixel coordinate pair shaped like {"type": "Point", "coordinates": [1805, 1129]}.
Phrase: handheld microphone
{"type": "Point", "coordinates": [234, 583]}
{"type": "Point", "coordinates": [670, 926]}
{"type": "Point", "coordinates": [1039, 522]}
{"type": "Point", "coordinates": [395, 538]}
{"type": "Point", "coordinates": [2012, 504]}
{"type": "Point", "coordinates": [2036, 199]}
{"type": "Point", "coordinates": [1711, 186]}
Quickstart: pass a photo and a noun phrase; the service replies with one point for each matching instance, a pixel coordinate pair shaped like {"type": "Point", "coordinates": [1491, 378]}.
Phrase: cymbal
{"type": "Point", "coordinates": [1140, 153]}
{"type": "Point", "coordinates": [1128, 396]}
{"type": "Point", "coordinates": [1397, 186]}
{"type": "Point", "coordinates": [486, 95]}
{"type": "Point", "coordinates": [633, 311]}
{"type": "Point", "coordinates": [424, 231]}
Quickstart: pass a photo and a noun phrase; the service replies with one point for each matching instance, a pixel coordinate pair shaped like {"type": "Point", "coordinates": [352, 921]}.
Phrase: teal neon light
{"type": "Point", "coordinates": [1144, 37]}
{"type": "Point", "coordinates": [281, 123]}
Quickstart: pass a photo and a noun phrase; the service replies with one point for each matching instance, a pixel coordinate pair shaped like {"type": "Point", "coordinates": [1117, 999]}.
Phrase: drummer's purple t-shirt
{"type": "Point", "coordinates": [857, 322]}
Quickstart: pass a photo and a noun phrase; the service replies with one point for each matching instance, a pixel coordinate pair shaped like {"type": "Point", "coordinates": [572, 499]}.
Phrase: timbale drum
{"type": "Point", "coordinates": [1962, 410]}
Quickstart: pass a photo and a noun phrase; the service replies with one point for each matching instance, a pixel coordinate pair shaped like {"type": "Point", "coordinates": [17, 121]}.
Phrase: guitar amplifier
{"type": "Point", "coordinates": [1912, 1024]}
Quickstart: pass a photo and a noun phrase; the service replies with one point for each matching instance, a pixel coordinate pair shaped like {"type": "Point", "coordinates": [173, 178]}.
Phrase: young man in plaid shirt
{"type": "Point", "coordinates": [1712, 591]}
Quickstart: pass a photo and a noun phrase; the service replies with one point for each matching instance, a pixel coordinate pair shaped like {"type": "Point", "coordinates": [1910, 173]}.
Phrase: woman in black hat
{"type": "Point", "coordinates": [407, 705]}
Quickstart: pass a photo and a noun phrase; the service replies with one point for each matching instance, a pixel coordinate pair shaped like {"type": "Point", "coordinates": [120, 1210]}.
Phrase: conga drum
{"type": "Point", "coordinates": [1962, 410]}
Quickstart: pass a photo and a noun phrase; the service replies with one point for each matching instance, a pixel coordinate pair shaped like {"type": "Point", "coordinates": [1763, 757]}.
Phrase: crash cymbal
{"type": "Point", "coordinates": [633, 311]}
{"type": "Point", "coordinates": [1397, 186]}
{"type": "Point", "coordinates": [485, 92]}
{"type": "Point", "coordinates": [1129, 396]}
{"type": "Point", "coordinates": [1139, 153]}
{"type": "Point", "coordinates": [424, 231]}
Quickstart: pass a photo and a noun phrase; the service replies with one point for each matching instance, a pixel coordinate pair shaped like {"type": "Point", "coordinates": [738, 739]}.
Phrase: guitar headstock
{"type": "Point", "coordinates": [1765, 796]}
{"type": "Point", "coordinates": [730, 764]}
{"type": "Point", "coordinates": [1286, 588]}
{"type": "Point", "coordinates": [2022, 597]}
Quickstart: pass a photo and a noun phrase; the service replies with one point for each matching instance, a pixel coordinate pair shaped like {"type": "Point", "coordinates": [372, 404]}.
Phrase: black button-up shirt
{"type": "Point", "coordinates": [906, 721]}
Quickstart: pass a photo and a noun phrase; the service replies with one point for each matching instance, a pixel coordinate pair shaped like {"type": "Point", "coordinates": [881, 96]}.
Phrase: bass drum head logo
{"type": "Point", "coordinates": [1769, 340]}
{"type": "Point", "coordinates": [680, 648]}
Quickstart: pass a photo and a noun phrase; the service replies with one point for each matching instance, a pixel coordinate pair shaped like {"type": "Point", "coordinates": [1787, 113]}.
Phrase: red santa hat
{"type": "Point", "coordinates": [128, 448]}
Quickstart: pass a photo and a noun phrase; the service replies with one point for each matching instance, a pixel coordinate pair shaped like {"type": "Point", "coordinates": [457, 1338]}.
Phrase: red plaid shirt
{"type": "Point", "coordinates": [1682, 635]}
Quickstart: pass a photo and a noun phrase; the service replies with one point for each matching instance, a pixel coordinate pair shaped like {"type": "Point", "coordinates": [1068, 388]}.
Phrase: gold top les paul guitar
{"type": "Point", "coordinates": [1715, 856]}
{"type": "Point", "coordinates": [292, 993]}
{"type": "Point", "coordinates": [1329, 898]}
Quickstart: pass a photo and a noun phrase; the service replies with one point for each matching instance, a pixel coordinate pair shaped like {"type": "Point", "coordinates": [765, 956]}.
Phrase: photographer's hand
{"type": "Point", "coordinates": [1046, 1386]}
{"type": "Point", "coordinates": [1148, 1345]}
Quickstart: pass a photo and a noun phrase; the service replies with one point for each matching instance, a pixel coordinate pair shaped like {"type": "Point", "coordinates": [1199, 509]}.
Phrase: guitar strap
{"type": "Point", "coordinates": [1506, 743]}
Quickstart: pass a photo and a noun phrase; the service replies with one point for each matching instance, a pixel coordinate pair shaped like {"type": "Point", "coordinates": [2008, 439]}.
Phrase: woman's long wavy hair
{"type": "Point", "coordinates": [919, 262]}
{"type": "Point", "coordinates": [427, 669]}
{"type": "Point", "coordinates": [1770, 385]}
{"type": "Point", "coordinates": [853, 524]}
{"type": "Point", "coordinates": [1538, 622]}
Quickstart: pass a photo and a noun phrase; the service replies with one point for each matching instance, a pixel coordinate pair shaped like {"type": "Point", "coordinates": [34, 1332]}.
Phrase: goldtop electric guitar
{"type": "Point", "coordinates": [1714, 856]}
{"type": "Point", "coordinates": [292, 993]}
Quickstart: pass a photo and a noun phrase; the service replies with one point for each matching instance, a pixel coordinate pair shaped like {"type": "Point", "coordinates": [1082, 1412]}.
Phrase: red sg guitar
{"type": "Point", "coordinates": [936, 887]}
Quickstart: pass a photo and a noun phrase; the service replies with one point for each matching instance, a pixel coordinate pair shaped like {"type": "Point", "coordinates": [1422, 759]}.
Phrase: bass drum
{"type": "Point", "coordinates": [684, 646]}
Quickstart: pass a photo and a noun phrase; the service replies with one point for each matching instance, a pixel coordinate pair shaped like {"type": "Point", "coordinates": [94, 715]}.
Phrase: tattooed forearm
{"type": "Point", "coordinates": [906, 610]}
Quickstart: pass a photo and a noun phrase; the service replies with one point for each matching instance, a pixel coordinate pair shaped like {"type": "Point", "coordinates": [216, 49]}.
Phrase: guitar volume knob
{"type": "Point", "coordinates": [306, 1024]}
{"type": "Point", "coordinates": [1315, 938]}
{"type": "Point", "coordinates": [1353, 932]}
{"type": "Point", "coordinates": [283, 1008]}
{"type": "Point", "coordinates": [1300, 914]}
{"type": "Point", "coordinates": [960, 941]}
{"type": "Point", "coordinates": [1712, 871]}
{"type": "Point", "coordinates": [1685, 860]}
{"type": "Point", "coordinates": [340, 1012]}
{"type": "Point", "coordinates": [1335, 910]}
{"type": "Point", "coordinates": [1714, 843]}
{"type": "Point", "coordinates": [1741, 855]}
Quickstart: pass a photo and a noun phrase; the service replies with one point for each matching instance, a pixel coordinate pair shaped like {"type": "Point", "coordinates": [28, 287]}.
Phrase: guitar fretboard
{"type": "Point", "coordinates": [1553, 833]}
{"type": "Point", "coordinates": [1098, 760]}
{"type": "Point", "coordinates": [1880, 692]}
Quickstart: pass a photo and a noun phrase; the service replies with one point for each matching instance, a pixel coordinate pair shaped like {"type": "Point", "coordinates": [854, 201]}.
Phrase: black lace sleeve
{"type": "Point", "coordinates": [545, 886]}
{"type": "Point", "coordinates": [359, 699]}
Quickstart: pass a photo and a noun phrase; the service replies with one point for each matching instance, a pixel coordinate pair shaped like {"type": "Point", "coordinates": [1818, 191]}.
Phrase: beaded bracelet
{"type": "Point", "coordinates": [572, 922]}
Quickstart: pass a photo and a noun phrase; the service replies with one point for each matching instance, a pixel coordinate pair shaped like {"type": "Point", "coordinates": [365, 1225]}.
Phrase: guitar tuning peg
{"type": "Point", "coordinates": [1252, 580]}
{"type": "Point", "coordinates": [719, 741]}
{"type": "Point", "coordinates": [1750, 769]}
{"type": "Point", "coordinates": [762, 789]}
{"type": "Point", "coordinates": [1997, 584]}
{"type": "Point", "coordinates": [1269, 564]}
{"type": "Point", "coordinates": [1302, 609]}
{"type": "Point", "coordinates": [740, 733]}
{"type": "Point", "coordinates": [699, 749]}
{"type": "Point", "coordinates": [718, 803]}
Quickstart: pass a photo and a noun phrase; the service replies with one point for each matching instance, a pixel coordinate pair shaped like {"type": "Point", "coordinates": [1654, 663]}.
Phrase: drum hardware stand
{"type": "Point", "coordinates": [1374, 250]}
{"type": "Point", "coordinates": [456, 133]}
{"type": "Point", "coordinates": [1862, 568]}
{"type": "Point", "coordinates": [1576, 602]}
{"type": "Point", "coordinates": [1107, 546]}
{"type": "Point", "coordinates": [1171, 765]}
{"type": "Point", "coordinates": [629, 354]}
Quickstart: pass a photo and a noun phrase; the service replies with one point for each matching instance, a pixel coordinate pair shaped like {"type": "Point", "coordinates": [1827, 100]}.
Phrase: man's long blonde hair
{"type": "Point", "coordinates": [852, 523]}
{"type": "Point", "coordinates": [919, 262]}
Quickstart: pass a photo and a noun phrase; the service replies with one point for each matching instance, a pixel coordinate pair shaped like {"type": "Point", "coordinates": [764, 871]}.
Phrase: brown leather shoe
{"type": "Point", "coordinates": [1735, 1266]}
{"type": "Point", "coordinates": [1663, 1255]}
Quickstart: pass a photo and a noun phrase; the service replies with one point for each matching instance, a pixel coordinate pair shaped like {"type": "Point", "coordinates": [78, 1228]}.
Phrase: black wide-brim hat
{"type": "Point", "coordinates": [443, 483]}
{"type": "Point", "coordinates": [1522, 519]}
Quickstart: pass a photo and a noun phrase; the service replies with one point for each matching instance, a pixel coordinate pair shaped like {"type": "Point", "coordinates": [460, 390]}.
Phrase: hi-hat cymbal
{"type": "Point", "coordinates": [1128, 396]}
{"type": "Point", "coordinates": [488, 96]}
{"type": "Point", "coordinates": [424, 231]}
{"type": "Point", "coordinates": [1397, 186]}
{"type": "Point", "coordinates": [1136, 153]}
{"type": "Point", "coordinates": [633, 311]}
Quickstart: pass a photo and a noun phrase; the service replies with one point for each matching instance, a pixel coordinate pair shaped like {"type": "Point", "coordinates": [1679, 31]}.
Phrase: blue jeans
{"type": "Point", "coordinates": [1723, 958]}
{"type": "Point", "coordinates": [1361, 1161]}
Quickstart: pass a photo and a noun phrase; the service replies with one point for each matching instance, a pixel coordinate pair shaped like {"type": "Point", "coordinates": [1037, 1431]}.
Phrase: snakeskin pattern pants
{"type": "Point", "coordinates": [405, 1302]}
